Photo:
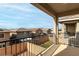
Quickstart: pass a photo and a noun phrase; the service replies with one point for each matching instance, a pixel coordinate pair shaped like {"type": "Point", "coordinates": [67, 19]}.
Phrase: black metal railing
{"type": "Point", "coordinates": [18, 46]}
{"type": "Point", "coordinates": [12, 47]}
{"type": "Point", "coordinates": [71, 38]}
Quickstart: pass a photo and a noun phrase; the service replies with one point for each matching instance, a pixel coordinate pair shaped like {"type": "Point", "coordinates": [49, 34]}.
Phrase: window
{"type": "Point", "coordinates": [3, 45]}
{"type": "Point", "coordinates": [1, 35]}
{"type": "Point", "coordinates": [0, 46]}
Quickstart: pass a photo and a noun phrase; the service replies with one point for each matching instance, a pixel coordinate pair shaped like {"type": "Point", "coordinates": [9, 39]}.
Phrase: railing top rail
{"type": "Point", "coordinates": [19, 38]}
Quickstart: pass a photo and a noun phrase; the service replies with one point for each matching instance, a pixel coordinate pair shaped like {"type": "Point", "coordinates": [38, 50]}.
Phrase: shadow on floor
{"type": "Point", "coordinates": [69, 51]}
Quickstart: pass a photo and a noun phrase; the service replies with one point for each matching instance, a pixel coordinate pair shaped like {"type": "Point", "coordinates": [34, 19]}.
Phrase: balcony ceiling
{"type": "Point", "coordinates": [58, 9]}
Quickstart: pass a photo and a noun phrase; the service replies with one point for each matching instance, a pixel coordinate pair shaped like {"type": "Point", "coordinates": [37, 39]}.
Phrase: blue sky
{"type": "Point", "coordinates": [23, 15]}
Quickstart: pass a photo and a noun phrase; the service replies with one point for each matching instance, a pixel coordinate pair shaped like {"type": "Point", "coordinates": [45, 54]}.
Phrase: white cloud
{"type": "Point", "coordinates": [5, 23]}
{"type": "Point", "coordinates": [19, 8]}
{"type": "Point", "coordinates": [8, 25]}
{"type": "Point", "coordinates": [10, 16]}
{"type": "Point", "coordinates": [22, 15]}
{"type": "Point", "coordinates": [16, 11]}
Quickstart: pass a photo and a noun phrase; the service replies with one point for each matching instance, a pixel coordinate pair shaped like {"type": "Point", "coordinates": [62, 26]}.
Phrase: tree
{"type": "Point", "coordinates": [39, 31]}
{"type": "Point", "coordinates": [49, 31]}
{"type": "Point", "coordinates": [13, 39]}
{"type": "Point", "coordinates": [1, 29]}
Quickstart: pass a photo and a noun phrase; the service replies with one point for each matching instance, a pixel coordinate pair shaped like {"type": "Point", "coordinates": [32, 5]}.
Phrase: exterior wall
{"type": "Point", "coordinates": [12, 33]}
{"type": "Point", "coordinates": [6, 36]}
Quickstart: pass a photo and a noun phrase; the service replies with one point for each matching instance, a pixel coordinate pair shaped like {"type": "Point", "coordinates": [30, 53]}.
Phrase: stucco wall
{"type": "Point", "coordinates": [6, 36]}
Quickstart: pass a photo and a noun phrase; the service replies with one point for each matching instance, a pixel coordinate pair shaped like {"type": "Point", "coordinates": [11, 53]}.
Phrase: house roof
{"type": "Point", "coordinates": [4, 30]}
{"type": "Point", "coordinates": [24, 29]}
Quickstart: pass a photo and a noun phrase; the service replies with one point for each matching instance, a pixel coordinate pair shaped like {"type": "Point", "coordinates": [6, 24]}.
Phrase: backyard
{"type": "Point", "coordinates": [47, 44]}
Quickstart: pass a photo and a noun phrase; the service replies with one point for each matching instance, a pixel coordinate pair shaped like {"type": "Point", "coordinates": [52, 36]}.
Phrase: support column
{"type": "Point", "coordinates": [63, 30]}
{"type": "Point", "coordinates": [56, 30]}
{"type": "Point", "coordinates": [77, 35]}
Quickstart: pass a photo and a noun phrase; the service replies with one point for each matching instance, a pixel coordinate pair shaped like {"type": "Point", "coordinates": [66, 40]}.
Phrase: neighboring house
{"type": "Point", "coordinates": [23, 33]}
{"type": "Point", "coordinates": [4, 35]}
{"type": "Point", "coordinates": [38, 35]}
{"type": "Point", "coordinates": [40, 39]}
{"type": "Point", "coordinates": [70, 30]}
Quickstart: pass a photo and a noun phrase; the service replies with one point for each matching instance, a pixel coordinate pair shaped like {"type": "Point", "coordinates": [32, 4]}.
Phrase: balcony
{"type": "Point", "coordinates": [33, 46]}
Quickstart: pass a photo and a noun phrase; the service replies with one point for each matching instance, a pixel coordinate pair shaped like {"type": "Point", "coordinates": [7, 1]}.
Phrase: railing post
{"type": "Point", "coordinates": [11, 49]}
{"type": "Point", "coordinates": [23, 48]}
{"type": "Point", "coordinates": [5, 49]}
{"type": "Point", "coordinates": [15, 46]}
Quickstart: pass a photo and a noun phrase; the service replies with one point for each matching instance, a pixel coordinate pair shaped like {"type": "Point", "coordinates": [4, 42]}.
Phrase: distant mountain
{"type": "Point", "coordinates": [2, 29]}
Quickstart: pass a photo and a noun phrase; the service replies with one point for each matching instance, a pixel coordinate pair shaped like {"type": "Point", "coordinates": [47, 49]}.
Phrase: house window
{"type": "Point", "coordinates": [0, 46]}
{"type": "Point", "coordinates": [1, 35]}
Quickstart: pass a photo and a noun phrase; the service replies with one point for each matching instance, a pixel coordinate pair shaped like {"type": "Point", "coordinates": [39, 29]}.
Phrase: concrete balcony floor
{"type": "Point", "coordinates": [65, 50]}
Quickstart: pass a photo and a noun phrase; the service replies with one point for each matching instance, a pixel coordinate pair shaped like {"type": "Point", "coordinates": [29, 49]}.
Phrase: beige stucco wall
{"type": "Point", "coordinates": [77, 27]}
{"type": "Point", "coordinates": [6, 36]}
{"type": "Point", "coordinates": [12, 33]}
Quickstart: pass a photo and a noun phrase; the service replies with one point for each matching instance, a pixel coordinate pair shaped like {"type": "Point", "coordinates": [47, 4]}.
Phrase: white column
{"type": "Point", "coordinates": [63, 28]}
{"type": "Point", "coordinates": [77, 27]}
{"type": "Point", "coordinates": [77, 35]}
